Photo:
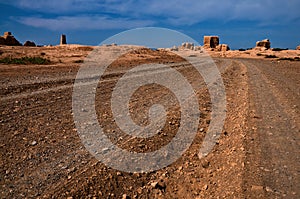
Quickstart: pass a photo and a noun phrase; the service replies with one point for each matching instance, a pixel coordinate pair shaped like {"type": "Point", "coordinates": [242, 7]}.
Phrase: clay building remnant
{"type": "Point", "coordinates": [263, 44]}
{"type": "Point", "coordinates": [9, 40]}
{"type": "Point", "coordinates": [210, 41]}
{"type": "Point", "coordinates": [222, 47]}
{"type": "Point", "coordinates": [63, 39]}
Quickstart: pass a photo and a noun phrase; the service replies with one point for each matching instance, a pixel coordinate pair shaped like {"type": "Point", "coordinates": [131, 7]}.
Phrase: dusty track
{"type": "Point", "coordinates": [256, 156]}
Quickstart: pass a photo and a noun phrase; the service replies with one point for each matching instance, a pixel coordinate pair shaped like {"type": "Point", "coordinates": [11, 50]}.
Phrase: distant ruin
{"type": "Point", "coordinates": [263, 44]}
{"type": "Point", "coordinates": [63, 39]}
{"type": "Point", "coordinates": [9, 40]}
{"type": "Point", "coordinates": [29, 43]}
{"type": "Point", "coordinates": [212, 42]}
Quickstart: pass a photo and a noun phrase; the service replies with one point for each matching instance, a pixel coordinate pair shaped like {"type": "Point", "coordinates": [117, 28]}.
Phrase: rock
{"type": "Point", "coordinates": [257, 188]}
{"type": "Point", "coordinates": [63, 39]}
{"type": "Point", "coordinates": [268, 189]}
{"type": "Point", "coordinates": [124, 196]}
{"type": "Point", "coordinates": [29, 43]}
{"type": "Point", "coordinates": [264, 43]}
{"type": "Point", "coordinates": [205, 164]}
{"type": "Point", "coordinates": [161, 185]}
{"type": "Point", "coordinates": [210, 41]}
{"type": "Point", "coordinates": [298, 47]}
{"type": "Point", "coordinates": [33, 143]}
{"type": "Point", "coordinates": [205, 187]}
{"type": "Point", "coordinates": [119, 173]}
{"type": "Point", "coordinates": [9, 40]}
{"type": "Point", "coordinates": [153, 184]}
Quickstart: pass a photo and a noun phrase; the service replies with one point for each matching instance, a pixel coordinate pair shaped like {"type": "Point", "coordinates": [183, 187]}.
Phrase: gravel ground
{"type": "Point", "coordinates": [42, 155]}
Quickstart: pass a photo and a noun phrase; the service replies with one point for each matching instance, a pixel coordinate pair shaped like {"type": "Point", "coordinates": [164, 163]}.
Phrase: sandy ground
{"type": "Point", "coordinates": [256, 156]}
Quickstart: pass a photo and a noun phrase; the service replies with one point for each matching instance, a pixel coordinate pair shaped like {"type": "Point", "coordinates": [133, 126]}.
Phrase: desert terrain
{"type": "Point", "coordinates": [256, 156]}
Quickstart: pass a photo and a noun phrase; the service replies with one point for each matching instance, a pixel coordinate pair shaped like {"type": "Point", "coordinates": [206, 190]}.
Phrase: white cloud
{"type": "Point", "coordinates": [82, 22]}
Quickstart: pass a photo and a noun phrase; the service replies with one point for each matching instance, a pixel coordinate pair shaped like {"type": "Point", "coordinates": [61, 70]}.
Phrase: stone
{"type": "Point", "coordinates": [29, 43]}
{"type": "Point", "coordinates": [210, 41]}
{"type": "Point", "coordinates": [257, 188]}
{"type": "Point", "coordinates": [124, 196]}
{"type": "Point", "coordinates": [153, 184]}
{"type": "Point", "coordinates": [268, 189]}
{"type": "Point", "coordinates": [9, 40]}
{"type": "Point", "coordinates": [264, 43]}
{"type": "Point", "coordinates": [63, 39]}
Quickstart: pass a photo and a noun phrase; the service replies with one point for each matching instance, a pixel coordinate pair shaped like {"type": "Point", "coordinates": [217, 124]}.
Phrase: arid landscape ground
{"type": "Point", "coordinates": [257, 155]}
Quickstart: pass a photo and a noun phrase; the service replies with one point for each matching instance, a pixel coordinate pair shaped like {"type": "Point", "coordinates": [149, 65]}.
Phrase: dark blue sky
{"type": "Point", "coordinates": [239, 23]}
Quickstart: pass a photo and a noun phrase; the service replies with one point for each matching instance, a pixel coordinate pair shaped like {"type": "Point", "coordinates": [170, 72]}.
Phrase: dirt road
{"type": "Point", "coordinates": [256, 156]}
{"type": "Point", "coordinates": [273, 143]}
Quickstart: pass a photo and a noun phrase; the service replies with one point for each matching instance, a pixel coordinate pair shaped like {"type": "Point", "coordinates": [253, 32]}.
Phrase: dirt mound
{"type": "Point", "coordinates": [29, 43]}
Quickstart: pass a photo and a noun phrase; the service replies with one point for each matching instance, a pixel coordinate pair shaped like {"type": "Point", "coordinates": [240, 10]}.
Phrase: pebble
{"type": "Point", "coordinates": [119, 173]}
{"type": "Point", "coordinates": [257, 188]}
{"type": "Point", "coordinates": [268, 189]}
{"type": "Point", "coordinates": [153, 184]}
{"type": "Point", "coordinates": [33, 143]}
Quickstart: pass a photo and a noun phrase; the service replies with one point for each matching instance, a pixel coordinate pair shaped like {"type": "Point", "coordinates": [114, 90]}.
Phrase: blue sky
{"type": "Point", "coordinates": [239, 23]}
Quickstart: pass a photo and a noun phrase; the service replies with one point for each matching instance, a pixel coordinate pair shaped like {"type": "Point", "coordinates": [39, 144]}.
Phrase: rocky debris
{"type": "Point", "coordinates": [298, 47]}
{"type": "Point", "coordinates": [257, 188]}
{"type": "Point", "coordinates": [29, 43]}
{"type": "Point", "coordinates": [188, 45]}
{"type": "Point", "coordinates": [174, 48]}
{"type": "Point", "coordinates": [184, 46]}
{"type": "Point", "coordinates": [210, 41]}
{"type": "Point", "coordinates": [124, 196]}
{"type": "Point", "coordinates": [63, 39]}
{"type": "Point", "coordinates": [159, 185]}
{"type": "Point", "coordinates": [263, 44]}
{"type": "Point", "coordinates": [9, 40]}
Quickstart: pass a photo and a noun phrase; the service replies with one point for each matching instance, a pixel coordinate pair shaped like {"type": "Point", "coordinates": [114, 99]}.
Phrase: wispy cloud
{"type": "Point", "coordinates": [82, 22]}
{"type": "Point", "coordinates": [175, 12]}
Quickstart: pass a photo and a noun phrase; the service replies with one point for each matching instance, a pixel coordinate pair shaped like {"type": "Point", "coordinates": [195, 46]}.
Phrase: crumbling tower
{"type": "Point", "coordinates": [63, 40]}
